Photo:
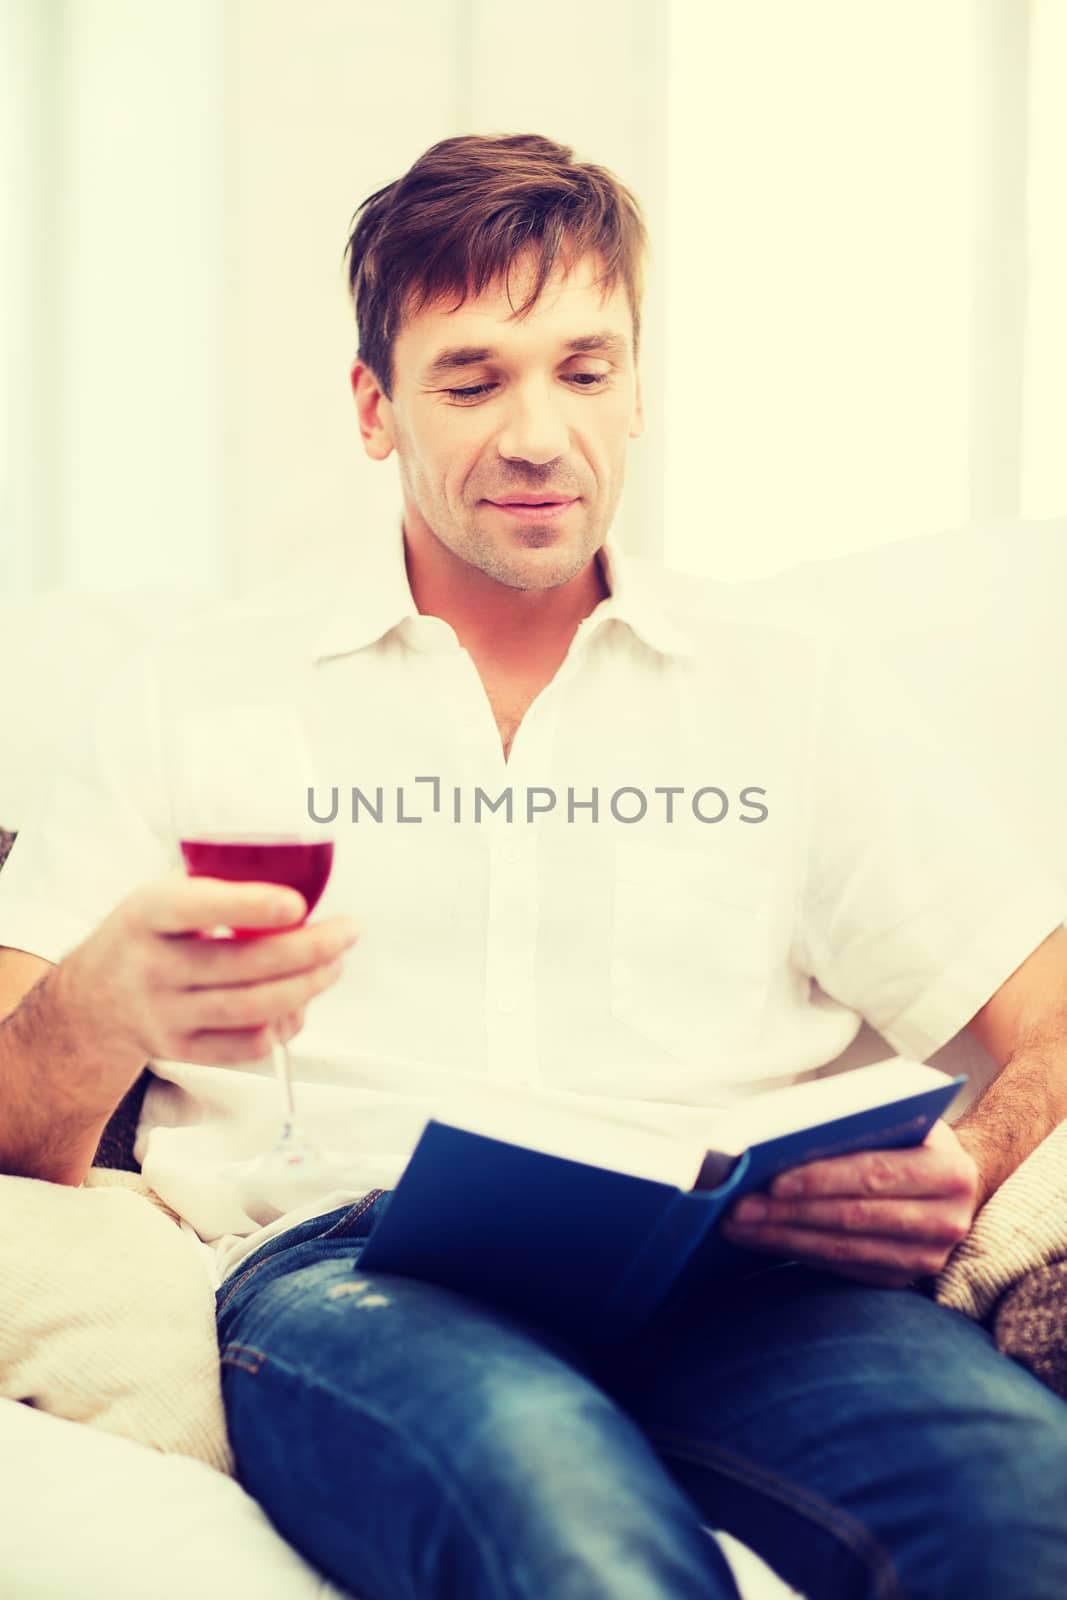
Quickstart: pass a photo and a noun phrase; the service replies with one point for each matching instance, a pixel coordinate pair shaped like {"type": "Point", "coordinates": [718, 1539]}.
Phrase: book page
{"type": "Point", "coordinates": [646, 1140]}
{"type": "Point", "coordinates": [808, 1105]}
{"type": "Point", "coordinates": [665, 1142]}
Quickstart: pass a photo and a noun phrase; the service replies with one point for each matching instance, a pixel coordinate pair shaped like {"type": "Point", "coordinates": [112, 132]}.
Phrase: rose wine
{"type": "Point", "coordinates": [301, 864]}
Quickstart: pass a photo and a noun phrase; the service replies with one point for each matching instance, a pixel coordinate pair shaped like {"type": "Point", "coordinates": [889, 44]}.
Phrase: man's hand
{"type": "Point", "coordinates": [146, 985]}
{"type": "Point", "coordinates": [884, 1217]}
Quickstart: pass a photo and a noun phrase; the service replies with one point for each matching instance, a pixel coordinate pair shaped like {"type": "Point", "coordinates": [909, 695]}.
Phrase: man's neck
{"type": "Point", "coordinates": [497, 623]}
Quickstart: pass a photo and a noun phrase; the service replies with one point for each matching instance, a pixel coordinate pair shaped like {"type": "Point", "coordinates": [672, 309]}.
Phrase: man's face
{"type": "Point", "coordinates": [515, 412]}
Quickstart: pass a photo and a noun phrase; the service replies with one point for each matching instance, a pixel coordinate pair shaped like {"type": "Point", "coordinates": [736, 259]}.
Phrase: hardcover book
{"type": "Point", "coordinates": [588, 1224]}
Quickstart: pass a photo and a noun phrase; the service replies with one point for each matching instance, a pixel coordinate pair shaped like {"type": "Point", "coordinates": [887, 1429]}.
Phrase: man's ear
{"type": "Point", "coordinates": [637, 427]}
{"type": "Point", "coordinates": [374, 412]}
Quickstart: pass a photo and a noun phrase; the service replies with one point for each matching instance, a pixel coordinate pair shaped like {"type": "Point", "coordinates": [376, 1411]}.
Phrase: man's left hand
{"type": "Point", "coordinates": [884, 1217]}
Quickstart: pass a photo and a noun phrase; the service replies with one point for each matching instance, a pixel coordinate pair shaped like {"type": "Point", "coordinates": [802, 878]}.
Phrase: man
{"type": "Point", "coordinates": [719, 832]}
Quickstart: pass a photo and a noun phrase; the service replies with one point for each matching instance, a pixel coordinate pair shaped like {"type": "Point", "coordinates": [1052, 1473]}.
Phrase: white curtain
{"type": "Point", "coordinates": [866, 254]}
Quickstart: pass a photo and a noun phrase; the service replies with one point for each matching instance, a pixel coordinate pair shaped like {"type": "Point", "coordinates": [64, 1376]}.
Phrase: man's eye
{"type": "Point", "coordinates": [584, 380]}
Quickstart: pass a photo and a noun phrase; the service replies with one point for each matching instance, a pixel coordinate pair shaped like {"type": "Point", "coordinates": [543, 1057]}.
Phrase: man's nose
{"type": "Point", "coordinates": [535, 429]}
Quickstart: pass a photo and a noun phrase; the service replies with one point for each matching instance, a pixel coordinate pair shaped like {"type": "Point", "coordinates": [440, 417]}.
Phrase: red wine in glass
{"type": "Point", "coordinates": [296, 863]}
{"type": "Point", "coordinates": [301, 864]}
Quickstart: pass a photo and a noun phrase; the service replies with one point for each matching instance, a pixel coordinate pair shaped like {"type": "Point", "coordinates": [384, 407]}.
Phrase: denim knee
{"type": "Point", "coordinates": [996, 1520]}
{"type": "Point", "coordinates": [398, 1433]}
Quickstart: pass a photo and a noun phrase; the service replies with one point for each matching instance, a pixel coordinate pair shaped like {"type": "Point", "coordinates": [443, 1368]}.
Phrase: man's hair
{"type": "Point", "coordinates": [457, 219]}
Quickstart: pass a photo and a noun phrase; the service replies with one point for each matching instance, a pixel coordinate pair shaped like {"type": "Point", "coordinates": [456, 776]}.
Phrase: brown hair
{"type": "Point", "coordinates": [459, 216]}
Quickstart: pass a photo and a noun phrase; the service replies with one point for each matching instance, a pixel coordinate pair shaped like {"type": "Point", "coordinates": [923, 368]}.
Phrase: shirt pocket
{"type": "Point", "coordinates": [691, 947]}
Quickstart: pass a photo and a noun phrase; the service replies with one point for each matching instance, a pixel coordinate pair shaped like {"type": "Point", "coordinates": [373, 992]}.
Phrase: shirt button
{"type": "Point", "coordinates": [506, 1005]}
{"type": "Point", "coordinates": [510, 854]}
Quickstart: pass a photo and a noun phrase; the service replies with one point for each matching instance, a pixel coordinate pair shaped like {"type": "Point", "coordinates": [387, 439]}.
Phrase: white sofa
{"type": "Point", "coordinates": [973, 619]}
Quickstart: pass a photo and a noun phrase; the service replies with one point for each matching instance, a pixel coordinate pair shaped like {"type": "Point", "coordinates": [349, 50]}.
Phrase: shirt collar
{"type": "Point", "coordinates": [632, 601]}
{"type": "Point", "coordinates": [379, 599]}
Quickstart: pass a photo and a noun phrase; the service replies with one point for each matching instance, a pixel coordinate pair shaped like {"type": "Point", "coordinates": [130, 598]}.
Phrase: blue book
{"type": "Point", "coordinates": [585, 1225]}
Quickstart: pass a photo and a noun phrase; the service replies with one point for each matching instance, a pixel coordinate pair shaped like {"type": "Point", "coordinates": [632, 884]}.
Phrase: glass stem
{"type": "Point", "coordinates": [285, 1085]}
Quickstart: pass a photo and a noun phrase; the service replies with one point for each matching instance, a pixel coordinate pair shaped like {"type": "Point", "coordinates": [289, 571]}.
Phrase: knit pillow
{"type": "Point", "coordinates": [1031, 1324]}
{"type": "Point", "coordinates": [1022, 1226]}
{"type": "Point", "coordinates": [107, 1315]}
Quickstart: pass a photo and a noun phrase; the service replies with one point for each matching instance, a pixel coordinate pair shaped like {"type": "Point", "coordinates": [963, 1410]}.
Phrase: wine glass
{"type": "Point", "coordinates": [293, 863]}
{"type": "Point", "coordinates": [238, 777]}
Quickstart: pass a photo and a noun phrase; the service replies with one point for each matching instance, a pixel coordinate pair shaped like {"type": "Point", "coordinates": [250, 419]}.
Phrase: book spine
{"type": "Point", "coordinates": [661, 1259]}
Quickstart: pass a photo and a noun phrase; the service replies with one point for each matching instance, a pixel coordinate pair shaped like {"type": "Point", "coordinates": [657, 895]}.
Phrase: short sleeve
{"type": "Point", "coordinates": [920, 896]}
{"type": "Point", "coordinates": [103, 827]}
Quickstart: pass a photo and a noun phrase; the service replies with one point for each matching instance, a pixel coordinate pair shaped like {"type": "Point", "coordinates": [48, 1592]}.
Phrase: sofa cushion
{"type": "Point", "coordinates": [1031, 1324]}
{"type": "Point", "coordinates": [107, 1315]}
{"type": "Point", "coordinates": [88, 1516]}
{"type": "Point", "coordinates": [1021, 1227]}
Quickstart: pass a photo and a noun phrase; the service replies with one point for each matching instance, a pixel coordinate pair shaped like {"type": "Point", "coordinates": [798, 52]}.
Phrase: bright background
{"type": "Point", "coordinates": [855, 330]}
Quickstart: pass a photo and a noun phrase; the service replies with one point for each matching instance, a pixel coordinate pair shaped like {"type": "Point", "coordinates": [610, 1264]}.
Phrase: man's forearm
{"type": "Point", "coordinates": [57, 1086]}
{"type": "Point", "coordinates": [1025, 1101]}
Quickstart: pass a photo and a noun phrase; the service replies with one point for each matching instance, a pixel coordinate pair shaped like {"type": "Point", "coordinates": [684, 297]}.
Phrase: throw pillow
{"type": "Point", "coordinates": [1023, 1225]}
{"type": "Point", "coordinates": [107, 1315]}
{"type": "Point", "coordinates": [1031, 1324]}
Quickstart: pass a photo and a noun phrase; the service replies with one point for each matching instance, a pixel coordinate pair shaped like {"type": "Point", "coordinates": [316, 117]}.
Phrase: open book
{"type": "Point", "coordinates": [589, 1224]}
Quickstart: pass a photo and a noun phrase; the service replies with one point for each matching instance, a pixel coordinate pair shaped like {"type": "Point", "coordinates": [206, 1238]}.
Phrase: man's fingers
{"type": "Point", "coordinates": [936, 1221]}
{"type": "Point", "coordinates": [180, 904]}
{"type": "Point", "coordinates": [291, 1025]}
{"type": "Point", "coordinates": [218, 1047]}
{"type": "Point", "coordinates": [229, 1048]}
{"type": "Point", "coordinates": [918, 1258]}
{"type": "Point", "coordinates": [212, 963]}
{"type": "Point", "coordinates": [249, 1005]}
{"type": "Point", "coordinates": [921, 1171]}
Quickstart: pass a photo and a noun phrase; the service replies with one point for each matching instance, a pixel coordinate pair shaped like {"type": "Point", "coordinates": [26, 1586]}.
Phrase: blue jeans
{"type": "Point", "coordinates": [866, 1442]}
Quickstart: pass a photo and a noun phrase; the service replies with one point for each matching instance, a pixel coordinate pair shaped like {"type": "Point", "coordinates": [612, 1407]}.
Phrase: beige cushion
{"type": "Point", "coordinates": [1031, 1324]}
{"type": "Point", "coordinates": [1021, 1227]}
{"type": "Point", "coordinates": [107, 1315]}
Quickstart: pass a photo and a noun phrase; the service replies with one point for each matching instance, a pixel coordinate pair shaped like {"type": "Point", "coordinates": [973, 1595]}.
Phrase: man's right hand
{"type": "Point", "coordinates": [144, 984]}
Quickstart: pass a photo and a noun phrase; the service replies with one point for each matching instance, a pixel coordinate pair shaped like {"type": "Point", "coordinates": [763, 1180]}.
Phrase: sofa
{"type": "Point", "coordinates": [971, 621]}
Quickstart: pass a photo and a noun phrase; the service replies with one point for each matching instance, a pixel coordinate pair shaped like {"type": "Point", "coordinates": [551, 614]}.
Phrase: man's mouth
{"type": "Point", "coordinates": [534, 509]}
{"type": "Point", "coordinates": [533, 500]}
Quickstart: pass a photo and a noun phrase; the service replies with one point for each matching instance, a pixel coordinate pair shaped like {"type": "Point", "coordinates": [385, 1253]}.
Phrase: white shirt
{"type": "Point", "coordinates": [658, 966]}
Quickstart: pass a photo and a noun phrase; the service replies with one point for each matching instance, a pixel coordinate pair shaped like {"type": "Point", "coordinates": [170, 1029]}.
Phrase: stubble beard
{"type": "Point", "coordinates": [534, 560]}
{"type": "Point", "coordinates": [507, 559]}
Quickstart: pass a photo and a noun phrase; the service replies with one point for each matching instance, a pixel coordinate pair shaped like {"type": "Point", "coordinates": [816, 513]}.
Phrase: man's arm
{"type": "Point", "coordinates": [44, 1134]}
{"type": "Point", "coordinates": [1024, 1029]}
{"type": "Point", "coordinates": [144, 985]}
